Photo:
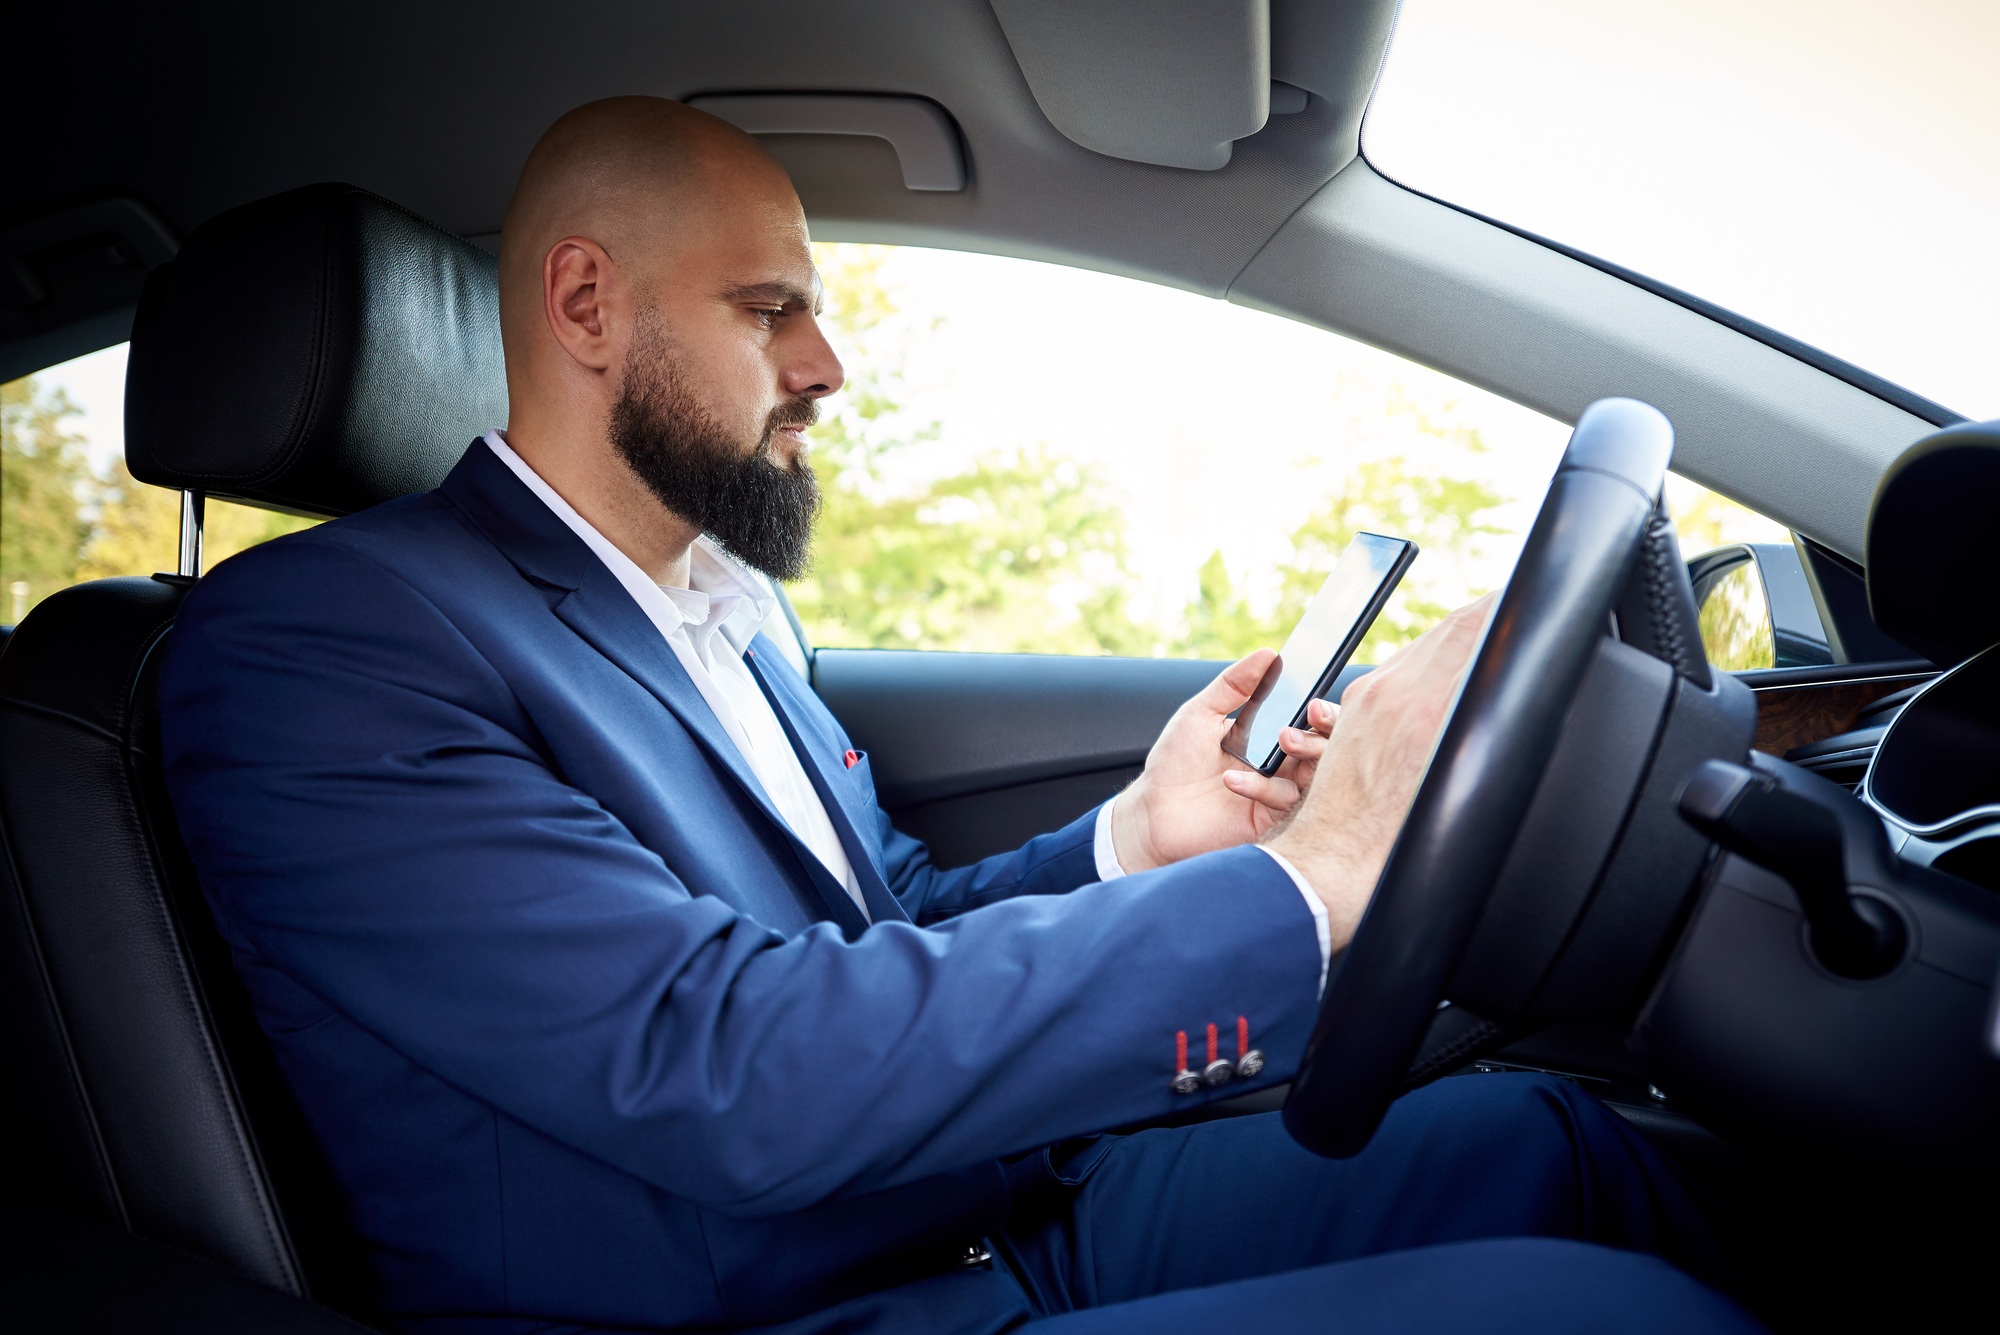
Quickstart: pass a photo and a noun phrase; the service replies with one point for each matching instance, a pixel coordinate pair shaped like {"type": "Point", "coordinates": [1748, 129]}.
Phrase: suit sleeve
{"type": "Point", "coordinates": [1049, 864]}
{"type": "Point", "coordinates": [371, 812]}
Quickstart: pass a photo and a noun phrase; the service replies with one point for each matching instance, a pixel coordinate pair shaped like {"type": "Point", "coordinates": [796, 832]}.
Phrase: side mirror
{"type": "Point", "coordinates": [1756, 609]}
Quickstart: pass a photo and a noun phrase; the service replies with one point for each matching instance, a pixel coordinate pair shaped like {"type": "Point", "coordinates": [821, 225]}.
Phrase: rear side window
{"type": "Point", "coordinates": [70, 512]}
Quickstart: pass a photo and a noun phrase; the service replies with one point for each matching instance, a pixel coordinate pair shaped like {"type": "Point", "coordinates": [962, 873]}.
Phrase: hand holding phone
{"type": "Point", "coordinates": [1327, 635]}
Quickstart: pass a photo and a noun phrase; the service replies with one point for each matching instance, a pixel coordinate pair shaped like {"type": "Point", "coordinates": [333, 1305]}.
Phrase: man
{"type": "Point", "coordinates": [615, 1001]}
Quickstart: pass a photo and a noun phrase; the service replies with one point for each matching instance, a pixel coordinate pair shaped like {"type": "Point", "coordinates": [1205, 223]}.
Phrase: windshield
{"type": "Point", "coordinates": [1830, 168]}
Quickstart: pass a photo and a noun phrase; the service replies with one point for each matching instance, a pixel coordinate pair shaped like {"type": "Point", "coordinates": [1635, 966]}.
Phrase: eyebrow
{"type": "Point", "coordinates": [778, 294]}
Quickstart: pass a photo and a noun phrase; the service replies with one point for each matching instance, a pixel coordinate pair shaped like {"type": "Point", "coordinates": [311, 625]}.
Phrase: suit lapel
{"type": "Point", "coordinates": [602, 613]}
{"type": "Point", "coordinates": [613, 624]}
{"type": "Point", "coordinates": [817, 749]}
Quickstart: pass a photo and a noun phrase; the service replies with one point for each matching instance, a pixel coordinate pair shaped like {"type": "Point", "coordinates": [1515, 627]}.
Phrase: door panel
{"type": "Point", "coordinates": [974, 753]}
{"type": "Point", "coordinates": [962, 830]}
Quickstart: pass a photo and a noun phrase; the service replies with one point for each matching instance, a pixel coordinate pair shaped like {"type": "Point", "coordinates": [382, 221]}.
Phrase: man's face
{"type": "Point", "coordinates": [722, 377]}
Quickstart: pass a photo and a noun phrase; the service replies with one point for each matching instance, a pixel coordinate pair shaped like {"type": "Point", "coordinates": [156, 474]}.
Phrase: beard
{"type": "Point", "coordinates": [758, 510]}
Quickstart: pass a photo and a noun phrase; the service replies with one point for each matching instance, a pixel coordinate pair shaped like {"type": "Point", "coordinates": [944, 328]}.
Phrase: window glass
{"type": "Point", "coordinates": [1033, 458]}
{"type": "Point", "coordinates": [68, 509]}
{"type": "Point", "coordinates": [1827, 167]}
{"type": "Point", "coordinates": [1705, 520]}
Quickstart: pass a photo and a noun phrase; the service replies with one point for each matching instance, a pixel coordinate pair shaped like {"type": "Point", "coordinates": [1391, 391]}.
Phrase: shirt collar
{"type": "Point", "coordinates": [722, 594]}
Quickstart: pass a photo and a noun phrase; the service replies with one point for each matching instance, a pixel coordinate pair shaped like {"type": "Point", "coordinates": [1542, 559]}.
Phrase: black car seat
{"type": "Point", "coordinates": [320, 351]}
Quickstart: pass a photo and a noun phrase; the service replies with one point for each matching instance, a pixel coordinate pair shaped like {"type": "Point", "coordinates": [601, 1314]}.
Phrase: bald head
{"type": "Point", "coordinates": [641, 176]}
{"type": "Point", "coordinates": [658, 308]}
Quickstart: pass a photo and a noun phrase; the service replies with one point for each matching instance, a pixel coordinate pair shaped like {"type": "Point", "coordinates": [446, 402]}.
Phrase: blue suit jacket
{"type": "Point", "coordinates": [586, 1034]}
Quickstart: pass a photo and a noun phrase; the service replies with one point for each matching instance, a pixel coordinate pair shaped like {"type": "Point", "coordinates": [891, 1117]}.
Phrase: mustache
{"type": "Point", "coordinates": [799, 413]}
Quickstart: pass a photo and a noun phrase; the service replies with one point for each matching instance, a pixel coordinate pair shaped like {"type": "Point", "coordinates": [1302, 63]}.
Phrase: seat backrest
{"type": "Point", "coordinates": [319, 351]}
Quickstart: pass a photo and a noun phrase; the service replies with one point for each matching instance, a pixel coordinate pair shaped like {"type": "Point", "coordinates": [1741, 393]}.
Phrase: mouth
{"type": "Point", "coordinates": [791, 430]}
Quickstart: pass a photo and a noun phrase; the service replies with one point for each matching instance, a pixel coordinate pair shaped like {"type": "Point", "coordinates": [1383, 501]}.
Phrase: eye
{"type": "Point", "coordinates": [767, 316]}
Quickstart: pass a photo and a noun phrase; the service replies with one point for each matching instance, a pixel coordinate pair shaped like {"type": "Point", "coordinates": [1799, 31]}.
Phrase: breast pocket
{"type": "Point", "coordinates": [857, 793]}
{"type": "Point", "coordinates": [860, 778]}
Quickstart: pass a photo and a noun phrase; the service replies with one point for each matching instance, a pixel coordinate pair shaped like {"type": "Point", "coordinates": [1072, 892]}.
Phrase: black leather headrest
{"type": "Point", "coordinates": [322, 350]}
{"type": "Point", "coordinates": [1933, 562]}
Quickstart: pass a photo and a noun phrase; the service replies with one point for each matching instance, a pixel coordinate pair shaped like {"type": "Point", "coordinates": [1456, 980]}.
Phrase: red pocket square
{"type": "Point", "coordinates": [852, 758]}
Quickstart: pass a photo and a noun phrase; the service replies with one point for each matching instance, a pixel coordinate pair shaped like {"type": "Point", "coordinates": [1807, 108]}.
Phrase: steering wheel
{"type": "Point", "coordinates": [1388, 984]}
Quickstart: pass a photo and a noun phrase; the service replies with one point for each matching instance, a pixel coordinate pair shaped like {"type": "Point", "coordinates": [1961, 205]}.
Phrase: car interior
{"type": "Point", "coordinates": [1754, 911]}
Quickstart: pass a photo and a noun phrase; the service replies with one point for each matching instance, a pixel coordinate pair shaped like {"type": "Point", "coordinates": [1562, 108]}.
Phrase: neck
{"type": "Point", "coordinates": [587, 472]}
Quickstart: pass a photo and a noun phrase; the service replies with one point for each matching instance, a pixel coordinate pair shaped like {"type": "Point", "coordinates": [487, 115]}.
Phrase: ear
{"type": "Point", "coordinates": [581, 297]}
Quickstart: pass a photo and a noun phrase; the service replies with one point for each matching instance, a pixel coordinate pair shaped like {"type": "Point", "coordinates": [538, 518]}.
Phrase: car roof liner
{"type": "Point", "coordinates": [205, 108]}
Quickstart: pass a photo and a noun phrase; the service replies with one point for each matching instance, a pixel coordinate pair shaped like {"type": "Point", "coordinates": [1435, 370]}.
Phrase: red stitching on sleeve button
{"type": "Point", "coordinates": [1218, 1071]}
{"type": "Point", "coordinates": [1249, 1061]}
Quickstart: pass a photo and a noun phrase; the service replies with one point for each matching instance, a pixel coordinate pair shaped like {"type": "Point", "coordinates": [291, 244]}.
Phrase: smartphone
{"type": "Point", "coordinates": [1319, 646]}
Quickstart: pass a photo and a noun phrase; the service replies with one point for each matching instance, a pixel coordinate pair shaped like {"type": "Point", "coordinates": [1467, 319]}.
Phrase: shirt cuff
{"type": "Point", "coordinates": [1107, 855]}
{"type": "Point", "coordinates": [1318, 908]}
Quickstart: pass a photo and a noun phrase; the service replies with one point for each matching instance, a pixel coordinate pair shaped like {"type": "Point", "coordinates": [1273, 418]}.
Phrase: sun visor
{"type": "Point", "coordinates": [1171, 82]}
{"type": "Point", "coordinates": [1177, 83]}
{"type": "Point", "coordinates": [1933, 568]}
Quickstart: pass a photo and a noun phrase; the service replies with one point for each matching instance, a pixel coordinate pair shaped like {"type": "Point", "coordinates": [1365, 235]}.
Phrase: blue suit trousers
{"type": "Point", "coordinates": [1485, 1204]}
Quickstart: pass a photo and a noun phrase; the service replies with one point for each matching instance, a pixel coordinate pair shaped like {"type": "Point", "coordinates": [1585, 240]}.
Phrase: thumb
{"type": "Point", "coordinates": [1236, 683]}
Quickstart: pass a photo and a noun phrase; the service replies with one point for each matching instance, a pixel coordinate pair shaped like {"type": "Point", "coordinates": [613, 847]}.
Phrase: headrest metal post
{"type": "Point", "coordinates": [194, 505]}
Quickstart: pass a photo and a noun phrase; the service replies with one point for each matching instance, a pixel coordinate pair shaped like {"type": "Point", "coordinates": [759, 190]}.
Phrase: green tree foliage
{"type": "Point", "coordinates": [1020, 552]}
{"type": "Point", "coordinates": [45, 483]}
{"type": "Point", "coordinates": [138, 528]}
{"type": "Point", "coordinates": [1736, 622]}
{"type": "Point", "coordinates": [1442, 515]}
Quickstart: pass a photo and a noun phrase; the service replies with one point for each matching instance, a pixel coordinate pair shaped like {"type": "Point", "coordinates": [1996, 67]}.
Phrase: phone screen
{"type": "Point", "coordinates": [1319, 646]}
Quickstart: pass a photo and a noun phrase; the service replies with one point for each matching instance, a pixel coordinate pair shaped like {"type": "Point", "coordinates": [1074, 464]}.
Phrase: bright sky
{"type": "Point", "coordinates": [96, 384]}
{"type": "Point", "coordinates": [1828, 167]}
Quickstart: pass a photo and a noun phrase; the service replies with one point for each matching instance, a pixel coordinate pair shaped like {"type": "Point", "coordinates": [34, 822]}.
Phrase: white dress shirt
{"type": "Point", "coordinates": [727, 602]}
{"type": "Point", "coordinates": [708, 625]}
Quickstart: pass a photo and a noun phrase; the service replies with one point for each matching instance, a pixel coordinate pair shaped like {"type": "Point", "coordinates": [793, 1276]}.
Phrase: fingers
{"type": "Point", "coordinates": [1321, 715]}
{"type": "Point", "coordinates": [1237, 683]}
{"type": "Point", "coordinates": [1302, 745]}
{"type": "Point", "coordinates": [1272, 791]}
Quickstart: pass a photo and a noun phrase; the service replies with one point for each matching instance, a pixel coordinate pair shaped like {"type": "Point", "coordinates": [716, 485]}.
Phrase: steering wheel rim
{"type": "Point", "coordinates": [1386, 986]}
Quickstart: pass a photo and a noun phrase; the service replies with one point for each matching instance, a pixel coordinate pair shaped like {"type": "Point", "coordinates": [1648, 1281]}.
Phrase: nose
{"type": "Point", "coordinates": [813, 369]}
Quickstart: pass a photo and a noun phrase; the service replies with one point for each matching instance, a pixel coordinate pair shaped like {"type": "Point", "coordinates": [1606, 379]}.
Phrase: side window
{"type": "Point", "coordinates": [69, 511]}
{"type": "Point", "coordinates": [1031, 458]}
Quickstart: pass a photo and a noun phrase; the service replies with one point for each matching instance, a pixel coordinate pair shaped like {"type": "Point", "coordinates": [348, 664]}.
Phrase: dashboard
{"type": "Point", "coordinates": [1935, 775]}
